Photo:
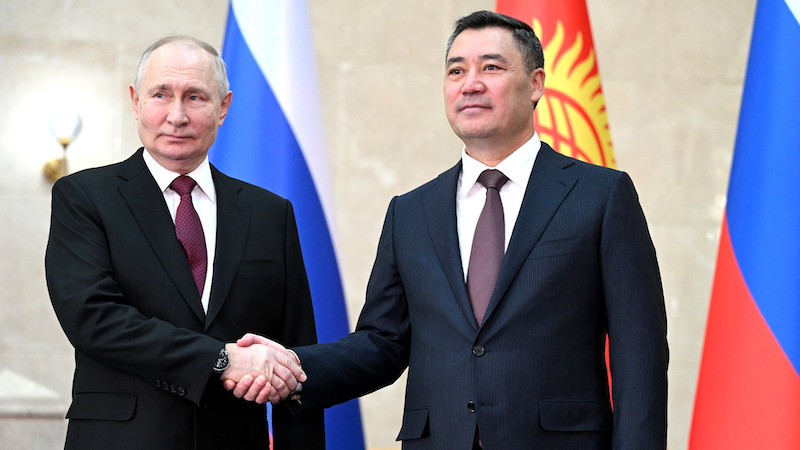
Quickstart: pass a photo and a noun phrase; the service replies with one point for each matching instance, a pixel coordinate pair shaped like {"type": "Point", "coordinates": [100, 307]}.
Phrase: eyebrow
{"type": "Point", "coordinates": [168, 87]}
{"type": "Point", "coordinates": [488, 56]}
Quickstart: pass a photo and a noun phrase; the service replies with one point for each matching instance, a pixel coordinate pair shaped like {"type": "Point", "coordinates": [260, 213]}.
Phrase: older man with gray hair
{"type": "Point", "coordinates": [156, 265]}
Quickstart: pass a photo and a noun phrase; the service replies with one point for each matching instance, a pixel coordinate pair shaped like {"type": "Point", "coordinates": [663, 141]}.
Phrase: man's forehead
{"type": "Point", "coordinates": [178, 61]}
{"type": "Point", "coordinates": [485, 34]}
{"type": "Point", "coordinates": [181, 53]}
{"type": "Point", "coordinates": [485, 43]}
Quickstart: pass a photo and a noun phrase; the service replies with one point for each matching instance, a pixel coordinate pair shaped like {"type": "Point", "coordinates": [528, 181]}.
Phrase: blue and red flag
{"type": "Point", "coordinates": [274, 138]}
{"type": "Point", "coordinates": [748, 394]}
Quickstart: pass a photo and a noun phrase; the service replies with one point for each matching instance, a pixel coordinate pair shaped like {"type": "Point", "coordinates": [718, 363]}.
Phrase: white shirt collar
{"type": "Point", "coordinates": [517, 166]}
{"type": "Point", "coordinates": [201, 175]}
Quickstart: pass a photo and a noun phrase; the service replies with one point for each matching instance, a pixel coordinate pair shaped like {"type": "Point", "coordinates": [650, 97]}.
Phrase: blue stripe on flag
{"type": "Point", "coordinates": [764, 196]}
{"type": "Point", "coordinates": [256, 144]}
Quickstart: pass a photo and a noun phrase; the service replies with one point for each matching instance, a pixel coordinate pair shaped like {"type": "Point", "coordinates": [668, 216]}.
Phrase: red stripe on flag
{"type": "Point", "coordinates": [748, 394]}
{"type": "Point", "coordinates": [571, 13]}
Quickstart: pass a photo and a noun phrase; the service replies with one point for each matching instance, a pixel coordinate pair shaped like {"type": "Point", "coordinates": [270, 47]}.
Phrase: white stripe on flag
{"type": "Point", "coordinates": [278, 33]}
{"type": "Point", "coordinates": [794, 6]}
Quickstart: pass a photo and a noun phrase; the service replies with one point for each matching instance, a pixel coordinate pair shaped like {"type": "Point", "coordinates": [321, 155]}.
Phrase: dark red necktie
{"type": "Point", "coordinates": [190, 231]}
{"type": "Point", "coordinates": [488, 245]}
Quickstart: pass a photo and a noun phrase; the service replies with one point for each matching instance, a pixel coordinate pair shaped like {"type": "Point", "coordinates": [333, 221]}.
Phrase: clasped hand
{"type": "Point", "coordinates": [261, 370]}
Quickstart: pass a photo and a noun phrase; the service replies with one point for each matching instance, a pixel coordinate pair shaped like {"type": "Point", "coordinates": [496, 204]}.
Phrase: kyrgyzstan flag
{"type": "Point", "coordinates": [748, 394]}
{"type": "Point", "coordinates": [571, 116]}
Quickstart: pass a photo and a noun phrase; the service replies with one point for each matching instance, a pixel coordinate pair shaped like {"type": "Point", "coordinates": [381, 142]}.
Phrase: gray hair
{"type": "Point", "coordinates": [220, 74]}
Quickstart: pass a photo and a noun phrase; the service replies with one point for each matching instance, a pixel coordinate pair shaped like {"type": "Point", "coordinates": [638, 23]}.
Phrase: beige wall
{"type": "Point", "coordinates": [672, 75]}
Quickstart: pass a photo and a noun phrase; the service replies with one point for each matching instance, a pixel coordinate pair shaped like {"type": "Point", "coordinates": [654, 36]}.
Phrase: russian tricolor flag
{"type": "Point", "coordinates": [748, 394]}
{"type": "Point", "coordinates": [273, 137]}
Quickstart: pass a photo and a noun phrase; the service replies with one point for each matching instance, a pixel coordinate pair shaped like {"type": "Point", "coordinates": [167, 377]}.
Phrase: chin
{"type": "Point", "coordinates": [473, 134]}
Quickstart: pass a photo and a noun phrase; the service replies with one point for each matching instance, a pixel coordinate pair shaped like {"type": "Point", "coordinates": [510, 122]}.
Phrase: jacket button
{"type": "Point", "coordinates": [181, 391]}
{"type": "Point", "coordinates": [173, 389]}
{"type": "Point", "coordinates": [158, 384]}
{"type": "Point", "coordinates": [478, 350]}
{"type": "Point", "coordinates": [471, 407]}
{"type": "Point", "coordinates": [165, 386]}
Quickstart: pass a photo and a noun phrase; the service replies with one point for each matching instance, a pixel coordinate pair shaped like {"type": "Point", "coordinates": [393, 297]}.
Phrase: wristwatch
{"type": "Point", "coordinates": [222, 361]}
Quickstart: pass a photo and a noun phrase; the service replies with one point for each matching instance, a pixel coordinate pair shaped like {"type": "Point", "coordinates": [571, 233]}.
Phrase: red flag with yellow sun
{"type": "Point", "coordinates": [571, 115]}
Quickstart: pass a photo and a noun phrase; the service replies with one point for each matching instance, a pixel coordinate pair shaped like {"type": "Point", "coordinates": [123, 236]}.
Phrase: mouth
{"type": "Point", "coordinates": [473, 109]}
{"type": "Point", "coordinates": [174, 137]}
{"type": "Point", "coordinates": [473, 106]}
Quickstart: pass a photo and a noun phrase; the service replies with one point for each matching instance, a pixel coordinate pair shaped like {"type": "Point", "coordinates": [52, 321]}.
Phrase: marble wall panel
{"type": "Point", "coordinates": [130, 22]}
{"type": "Point", "coordinates": [624, 32]}
{"type": "Point", "coordinates": [43, 77]}
{"type": "Point", "coordinates": [671, 72]}
{"type": "Point", "coordinates": [385, 149]}
{"type": "Point", "coordinates": [682, 385]}
{"type": "Point", "coordinates": [32, 433]}
{"type": "Point", "coordinates": [707, 40]}
{"type": "Point", "coordinates": [383, 31]}
{"type": "Point", "coordinates": [26, 316]}
{"type": "Point", "coordinates": [677, 148]}
{"type": "Point", "coordinates": [686, 254]}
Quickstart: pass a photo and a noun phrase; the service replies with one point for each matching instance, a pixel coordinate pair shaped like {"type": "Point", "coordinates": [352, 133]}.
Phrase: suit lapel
{"type": "Point", "coordinates": [439, 205]}
{"type": "Point", "coordinates": [147, 204]}
{"type": "Point", "coordinates": [233, 221]}
{"type": "Point", "coordinates": [547, 187]}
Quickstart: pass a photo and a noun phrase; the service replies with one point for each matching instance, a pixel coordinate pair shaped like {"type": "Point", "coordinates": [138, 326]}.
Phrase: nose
{"type": "Point", "coordinates": [473, 83]}
{"type": "Point", "coordinates": [177, 114]}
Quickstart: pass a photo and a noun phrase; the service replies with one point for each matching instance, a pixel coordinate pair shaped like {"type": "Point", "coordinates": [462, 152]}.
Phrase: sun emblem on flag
{"type": "Point", "coordinates": [571, 116]}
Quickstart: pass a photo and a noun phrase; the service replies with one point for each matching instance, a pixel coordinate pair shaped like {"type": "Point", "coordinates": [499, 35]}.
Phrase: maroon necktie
{"type": "Point", "coordinates": [190, 231]}
{"type": "Point", "coordinates": [488, 245]}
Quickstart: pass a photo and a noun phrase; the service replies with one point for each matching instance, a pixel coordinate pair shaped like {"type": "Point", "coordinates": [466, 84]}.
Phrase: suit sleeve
{"type": "Point", "coordinates": [305, 430]}
{"type": "Point", "coordinates": [90, 306]}
{"type": "Point", "coordinates": [374, 355]}
{"type": "Point", "coordinates": [637, 325]}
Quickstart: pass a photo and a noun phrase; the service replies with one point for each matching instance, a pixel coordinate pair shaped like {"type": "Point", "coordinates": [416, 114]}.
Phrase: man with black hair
{"type": "Point", "coordinates": [497, 282]}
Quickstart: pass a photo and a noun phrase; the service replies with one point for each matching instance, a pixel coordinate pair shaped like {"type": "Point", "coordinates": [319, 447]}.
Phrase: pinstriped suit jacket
{"type": "Point", "coordinates": [580, 264]}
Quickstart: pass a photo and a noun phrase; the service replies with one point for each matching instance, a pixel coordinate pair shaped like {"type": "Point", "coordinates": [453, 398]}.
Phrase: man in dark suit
{"type": "Point", "coordinates": [497, 282]}
{"type": "Point", "coordinates": [155, 265]}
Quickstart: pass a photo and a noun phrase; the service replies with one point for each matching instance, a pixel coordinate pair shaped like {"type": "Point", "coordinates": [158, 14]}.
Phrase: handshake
{"type": "Point", "coordinates": [260, 369]}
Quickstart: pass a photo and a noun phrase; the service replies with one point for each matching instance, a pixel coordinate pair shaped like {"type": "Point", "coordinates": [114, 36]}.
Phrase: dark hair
{"type": "Point", "coordinates": [526, 40]}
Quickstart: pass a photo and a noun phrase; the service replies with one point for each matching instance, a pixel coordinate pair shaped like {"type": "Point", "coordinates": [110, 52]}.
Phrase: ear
{"type": "Point", "coordinates": [537, 84]}
{"type": "Point", "coordinates": [135, 101]}
{"type": "Point", "coordinates": [226, 103]}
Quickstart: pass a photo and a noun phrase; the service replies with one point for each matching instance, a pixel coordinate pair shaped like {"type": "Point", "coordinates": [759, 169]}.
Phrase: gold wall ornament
{"type": "Point", "coordinates": [65, 127]}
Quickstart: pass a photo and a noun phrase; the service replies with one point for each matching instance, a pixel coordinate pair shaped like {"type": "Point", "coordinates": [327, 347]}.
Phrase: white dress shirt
{"type": "Point", "coordinates": [204, 199]}
{"type": "Point", "coordinates": [471, 195]}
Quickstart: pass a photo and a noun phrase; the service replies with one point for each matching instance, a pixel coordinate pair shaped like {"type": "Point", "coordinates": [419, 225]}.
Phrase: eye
{"type": "Point", "coordinates": [491, 67]}
{"type": "Point", "coordinates": [160, 95]}
{"type": "Point", "coordinates": [455, 71]}
{"type": "Point", "coordinates": [194, 97]}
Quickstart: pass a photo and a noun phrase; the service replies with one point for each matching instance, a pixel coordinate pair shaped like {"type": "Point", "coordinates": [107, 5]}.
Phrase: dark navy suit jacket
{"type": "Point", "coordinates": [580, 265]}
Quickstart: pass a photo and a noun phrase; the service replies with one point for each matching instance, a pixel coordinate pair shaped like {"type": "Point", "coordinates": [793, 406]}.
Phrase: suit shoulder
{"type": "Point", "coordinates": [593, 175]}
{"type": "Point", "coordinates": [102, 176]}
{"type": "Point", "coordinates": [577, 165]}
{"type": "Point", "coordinates": [600, 174]}
{"type": "Point", "coordinates": [448, 178]}
{"type": "Point", "coordinates": [247, 190]}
